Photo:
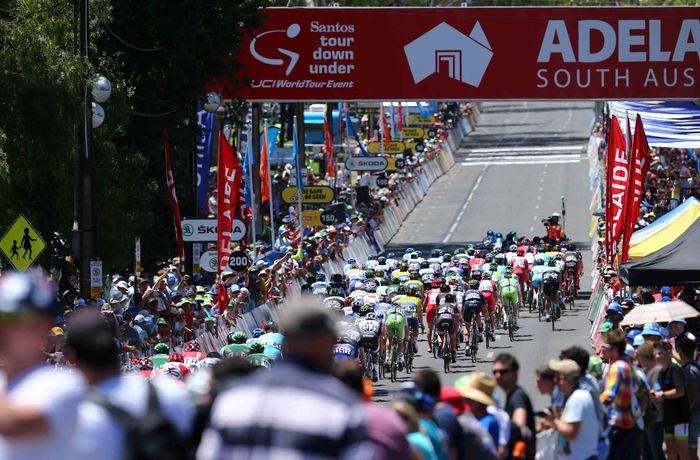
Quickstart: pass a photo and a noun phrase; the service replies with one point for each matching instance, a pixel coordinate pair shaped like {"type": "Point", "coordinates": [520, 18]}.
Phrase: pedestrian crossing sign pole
{"type": "Point", "coordinates": [22, 244]}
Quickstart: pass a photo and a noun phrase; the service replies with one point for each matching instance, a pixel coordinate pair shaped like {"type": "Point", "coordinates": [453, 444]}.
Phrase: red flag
{"type": "Point", "coordinates": [399, 121]}
{"type": "Point", "coordinates": [617, 181]}
{"type": "Point", "coordinates": [330, 151]}
{"type": "Point", "coordinates": [384, 127]}
{"type": "Point", "coordinates": [264, 171]}
{"type": "Point", "coordinates": [229, 186]}
{"type": "Point", "coordinates": [641, 153]}
{"type": "Point", "coordinates": [172, 197]}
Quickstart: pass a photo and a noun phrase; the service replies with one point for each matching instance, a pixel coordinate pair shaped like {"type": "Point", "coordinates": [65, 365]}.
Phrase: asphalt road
{"type": "Point", "coordinates": [509, 174]}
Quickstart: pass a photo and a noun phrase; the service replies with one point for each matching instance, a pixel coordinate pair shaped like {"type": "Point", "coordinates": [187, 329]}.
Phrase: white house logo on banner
{"type": "Point", "coordinates": [446, 49]}
{"type": "Point", "coordinates": [291, 32]}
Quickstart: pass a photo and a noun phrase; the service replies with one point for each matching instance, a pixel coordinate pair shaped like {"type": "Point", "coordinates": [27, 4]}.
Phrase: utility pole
{"type": "Point", "coordinates": [87, 219]}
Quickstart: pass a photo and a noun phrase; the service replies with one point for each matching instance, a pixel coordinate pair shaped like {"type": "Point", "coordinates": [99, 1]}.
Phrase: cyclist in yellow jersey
{"type": "Point", "coordinates": [413, 307]}
{"type": "Point", "coordinates": [417, 283]}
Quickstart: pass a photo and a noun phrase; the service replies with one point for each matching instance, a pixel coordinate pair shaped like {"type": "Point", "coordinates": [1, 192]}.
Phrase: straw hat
{"type": "Point", "coordinates": [477, 387]}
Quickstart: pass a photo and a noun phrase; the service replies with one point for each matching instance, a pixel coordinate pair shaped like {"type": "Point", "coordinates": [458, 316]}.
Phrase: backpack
{"type": "Point", "coordinates": [149, 437]}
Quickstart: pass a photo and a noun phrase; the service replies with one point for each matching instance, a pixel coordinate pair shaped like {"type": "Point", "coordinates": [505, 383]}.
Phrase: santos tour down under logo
{"type": "Point", "coordinates": [445, 49]}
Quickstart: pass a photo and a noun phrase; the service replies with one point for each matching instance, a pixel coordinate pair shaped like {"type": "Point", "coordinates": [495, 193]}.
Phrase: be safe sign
{"type": "Point", "coordinates": [393, 147]}
{"type": "Point", "coordinates": [311, 195]}
{"type": "Point", "coordinates": [205, 230]}
{"type": "Point", "coordinates": [366, 163]}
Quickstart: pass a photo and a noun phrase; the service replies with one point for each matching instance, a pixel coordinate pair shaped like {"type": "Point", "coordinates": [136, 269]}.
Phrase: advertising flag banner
{"type": "Point", "coordinates": [641, 154]}
{"type": "Point", "coordinates": [332, 54]}
{"type": "Point", "coordinates": [264, 170]}
{"type": "Point", "coordinates": [229, 186]}
{"type": "Point", "coordinates": [205, 124]}
{"type": "Point", "coordinates": [618, 182]}
{"type": "Point", "coordinates": [172, 198]}
{"type": "Point", "coordinates": [328, 144]}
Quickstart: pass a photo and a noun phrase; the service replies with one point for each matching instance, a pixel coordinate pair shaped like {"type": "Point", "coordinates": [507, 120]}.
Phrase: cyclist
{"type": "Point", "coordinates": [446, 321]}
{"type": "Point", "coordinates": [551, 284]}
{"type": "Point", "coordinates": [511, 254]}
{"type": "Point", "coordinates": [257, 356]}
{"type": "Point", "coordinates": [369, 342]}
{"type": "Point", "coordinates": [509, 287]}
{"type": "Point", "coordinates": [413, 307]}
{"type": "Point", "coordinates": [536, 275]}
{"type": "Point", "coordinates": [320, 287]}
{"type": "Point", "coordinates": [396, 327]}
{"type": "Point", "coordinates": [236, 345]}
{"type": "Point", "coordinates": [521, 268]}
{"type": "Point", "coordinates": [574, 261]}
{"type": "Point", "coordinates": [474, 306]}
{"type": "Point", "coordinates": [489, 290]}
{"type": "Point", "coordinates": [431, 301]}
{"type": "Point", "coordinates": [346, 347]}
{"type": "Point", "coordinates": [416, 283]}
{"type": "Point", "coordinates": [337, 284]}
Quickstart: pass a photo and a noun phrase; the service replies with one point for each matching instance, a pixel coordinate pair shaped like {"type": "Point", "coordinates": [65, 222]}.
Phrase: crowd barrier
{"type": "Point", "coordinates": [362, 246]}
{"type": "Point", "coordinates": [547, 445]}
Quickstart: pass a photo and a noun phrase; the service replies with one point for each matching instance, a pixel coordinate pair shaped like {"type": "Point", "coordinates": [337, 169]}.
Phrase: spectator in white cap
{"type": "Point", "coordinates": [578, 423]}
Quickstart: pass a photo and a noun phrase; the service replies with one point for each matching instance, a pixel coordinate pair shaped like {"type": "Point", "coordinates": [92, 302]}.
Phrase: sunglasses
{"type": "Point", "coordinates": [501, 371]}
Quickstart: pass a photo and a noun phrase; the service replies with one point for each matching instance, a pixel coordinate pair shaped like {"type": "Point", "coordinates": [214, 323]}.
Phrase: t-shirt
{"type": "Point", "coordinates": [489, 422]}
{"type": "Point", "coordinates": [56, 395]}
{"type": "Point", "coordinates": [676, 410]}
{"type": "Point", "coordinates": [518, 399]}
{"type": "Point", "coordinates": [447, 421]}
{"type": "Point", "coordinates": [579, 408]}
{"type": "Point", "coordinates": [437, 438]}
{"type": "Point", "coordinates": [99, 435]}
{"type": "Point", "coordinates": [421, 442]}
{"type": "Point", "coordinates": [387, 432]}
{"type": "Point", "coordinates": [691, 373]}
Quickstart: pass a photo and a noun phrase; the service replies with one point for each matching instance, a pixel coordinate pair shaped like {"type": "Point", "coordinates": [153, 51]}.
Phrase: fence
{"type": "Point", "coordinates": [361, 247]}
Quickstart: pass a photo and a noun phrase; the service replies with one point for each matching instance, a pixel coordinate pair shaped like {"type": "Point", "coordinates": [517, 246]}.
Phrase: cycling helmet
{"type": "Point", "coordinates": [395, 280]}
{"type": "Point", "coordinates": [559, 257]}
{"type": "Point", "coordinates": [447, 257]}
{"type": "Point", "coordinates": [237, 337]}
{"type": "Point", "coordinates": [572, 246]}
{"type": "Point", "coordinates": [450, 298]}
{"type": "Point", "coordinates": [521, 252]}
{"type": "Point", "coordinates": [512, 234]}
{"type": "Point", "coordinates": [171, 371]}
{"type": "Point", "coordinates": [207, 363]}
{"type": "Point", "coordinates": [384, 297]}
{"type": "Point", "coordinates": [401, 290]}
{"type": "Point", "coordinates": [552, 263]}
{"type": "Point", "coordinates": [414, 275]}
{"type": "Point", "coordinates": [381, 260]}
{"type": "Point", "coordinates": [499, 235]}
{"type": "Point", "coordinates": [500, 259]}
{"type": "Point", "coordinates": [369, 273]}
{"type": "Point", "coordinates": [509, 269]}
{"type": "Point", "coordinates": [320, 277]}
{"type": "Point", "coordinates": [445, 288]}
{"type": "Point", "coordinates": [555, 215]}
{"type": "Point", "coordinates": [192, 346]}
{"type": "Point", "coordinates": [411, 290]}
{"type": "Point", "coordinates": [435, 283]}
{"type": "Point", "coordinates": [474, 283]}
{"type": "Point", "coordinates": [513, 248]}
{"type": "Point", "coordinates": [257, 347]}
{"type": "Point", "coordinates": [471, 252]}
{"type": "Point", "coordinates": [493, 266]}
{"type": "Point", "coordinates": [176, 358]}
{"type": "Point", "coordinates": [257, 333]}
{"type": "Point", "coordinates": [486, 276]}
{"type": "Point", "coordinates": [371, 257]}
{"type": "Point", "coordinates": [403, 266]}
{"type": "Point", "coordinates": [364, 309]}
{"type": "Point", "coordinates": [424, 264]}
{"type": "Point", "coordinates": [161, 348]}
{"type": "Point", "coordinates": [410, 250]}
{"type": "Point", "coordinates": [336, 278]}
{"type": "Point", "coordinates": [390, 255]}
{"type": "Point", "coordinates": [351, 261]}
{"type": "Point", "coordinates": [357, 305]}
{"type": "Point", "coordinates": [508, 274]}
{"type": "Point", "coordinates": [371, 316]}
{"type": "Point", "coordinates": [271, 326]}
{"type": "Point", "coordinates": [489, 233]}
{"type": "Point", "coordinates": [539, 261]}
{"type": "Point", "coordinates": [419, 253]}
{"type": "Point", "coordinates": [489, 258]}
{"type": "Point", "coordinates": [436, 253]}
{"type": "Point", "coordinates": [144, 364]}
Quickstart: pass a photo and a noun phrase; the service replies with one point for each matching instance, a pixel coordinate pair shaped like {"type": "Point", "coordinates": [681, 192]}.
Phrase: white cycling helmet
{"type": "Point", "coordinates": [370, 316]}
{"type": "Point", "coordinates": [513, 248]}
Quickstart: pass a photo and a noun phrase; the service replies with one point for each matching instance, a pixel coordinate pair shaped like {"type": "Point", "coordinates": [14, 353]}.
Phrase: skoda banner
{"type": "Point", "coordinates": [366, 163]}
{"type": "Point", "coordinates": [331, 54]}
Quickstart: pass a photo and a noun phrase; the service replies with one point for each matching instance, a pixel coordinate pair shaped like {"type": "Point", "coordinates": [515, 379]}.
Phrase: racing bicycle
{"type": "Point", "coordinates": [473, 339]}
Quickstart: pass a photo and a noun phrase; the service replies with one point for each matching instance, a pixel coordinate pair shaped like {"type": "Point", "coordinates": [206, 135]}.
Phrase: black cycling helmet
{"type": "Point", "coordinates": [381, 260]}
{"type": "Point", "coordinates": [447, 257]}
{"type": "Point", "coordinates": [424, 264]}
{"type": "Point", "coordinates": [450, 298]}
{"type": "Point", "coordinates": [489, 233]}
{"type": "Point", "coordinates": [436, 253]}
{"type": "Point", "coordinates": [499, 235]}
{"type": "Point", "coordinates": [489, 258]}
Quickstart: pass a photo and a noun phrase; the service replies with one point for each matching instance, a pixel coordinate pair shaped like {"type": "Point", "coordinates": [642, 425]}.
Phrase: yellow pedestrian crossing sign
{"type": "Point", "coordinates": [22, 244]}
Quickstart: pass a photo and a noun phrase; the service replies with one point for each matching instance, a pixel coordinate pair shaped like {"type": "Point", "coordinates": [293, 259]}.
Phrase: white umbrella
{"type": "Point", "coordinates": [660, 312]}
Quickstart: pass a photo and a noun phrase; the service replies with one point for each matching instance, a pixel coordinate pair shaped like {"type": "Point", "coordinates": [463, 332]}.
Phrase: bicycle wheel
{"type": "Point", "coordinates": [487, 332]}
{"type": "Point", "coordinates": [539, 307]}
{"type": "Point", "coordinates": [474, 340]}
{"type": "Point", "coordinates": [511, 324]}
{"type": "Point", "coordinates": [446, 353]}
{"type": "Point", "coordinates": [553, 313]}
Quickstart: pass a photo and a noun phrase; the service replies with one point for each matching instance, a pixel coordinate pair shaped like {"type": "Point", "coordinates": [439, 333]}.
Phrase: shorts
{"type": "Point", "coordinates": [694, 430]}
{"type": "Point", "coordinates": [470, 311]}
{"type": "Point", "coordinates": [549, 288]}
{"type": "Point", "coordinates": [678, 432]}
{"type": "Point", "coordinates": [412, 321]}
{"type": "Point", "coordinates": [370, 342]}
{"type": "Point", "coordinates": [537, 281]}
{"type": "Point", "coordinates": [445, 323]}
{"type": "Point", "coordinates": [510, 296]}
{"type": "Point", "coordinates": [522, 276]}
{"type": "Point", "coordinates": [490, 300]}
{"type": "Point", "coordinates": [430, 314]}
{"type": "Point", "coordinates": [394, 327]}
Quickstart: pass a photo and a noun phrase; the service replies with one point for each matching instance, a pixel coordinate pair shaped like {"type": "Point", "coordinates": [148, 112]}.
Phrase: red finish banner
{"type": "Point", "coordinates": [617, 182]}
{"type": "Point", "coordinates": [324, 54]}
{"type": "Point", "coordinates": [640, 156]}
{"type": "Point", "coordinates": [172, 198]}
{"type": "Point", "coordinates": [228, 197]}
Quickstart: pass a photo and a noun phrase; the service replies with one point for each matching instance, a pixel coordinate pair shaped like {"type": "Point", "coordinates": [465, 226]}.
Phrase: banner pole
{"type": "Point", "coordinates": [297, 169]}
{"type": "Point", "coordinates": [249, 146]}
{"type": "Point", "coordinates": [381, 127]}
{"type": "Point", "coordinates": [269, 187]}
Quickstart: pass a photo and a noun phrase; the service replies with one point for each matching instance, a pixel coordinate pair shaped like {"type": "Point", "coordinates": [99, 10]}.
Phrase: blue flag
{"type": "Point", "coordinates": [205, 124]}
{"type": "Point", "coordinates": [424, 111]}
{"type": "Point", "coordinates": [247, 166]}
{"type": "Point", "coordinates": [272, 133]}
{"type": "Point", "coordinates": [394, 125]}
{"type": "Point", "coordinates": [296, 159]}
{"type": "Point", "coordinates": [353, 133]}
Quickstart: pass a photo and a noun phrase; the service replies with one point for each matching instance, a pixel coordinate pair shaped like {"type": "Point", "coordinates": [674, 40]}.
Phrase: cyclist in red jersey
{"type": "Point", "coordinates": [521, 268]}
{"type": "Point", "coordinates": [430, 302]}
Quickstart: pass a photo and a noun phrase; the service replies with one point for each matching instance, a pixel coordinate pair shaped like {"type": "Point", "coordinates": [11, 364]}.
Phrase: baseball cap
{"type": "Point", "coordinates": [638, 340]}
{"type": "Point", "coordinates": [566, 367]}
{"type": "Point", "coordinates": [652, 329]}
{"type": "Point", "coordinates": [614, 307]}
{"type": "Point", "coordinates": [138, 319]}
{"type": "Point", "coordinates": [234, 288]}
{"type": "Point", "coordinates": [665, 290]}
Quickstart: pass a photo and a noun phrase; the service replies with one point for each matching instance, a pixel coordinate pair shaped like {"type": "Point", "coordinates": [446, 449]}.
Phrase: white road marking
{"type": "Point", "coordinates": [489, 355]}
{"type": "Point", "coordinates": [542, 179]}
{"type": "Point", "coordinates": [539, 197]}
{"type": "Point", "coordinates": [525, 162]}
{"type": "Point", "coordinates": [540, 189]}
{"type": "Point", "coordinates": [537, 206]}
{"type": "Point", "coordinates": [454, 225]}
{"type": "Point", "coordinates": [534, 217]}
{"type": "Point", "coordinates": [532, 229]}
{"type": "Point", "coordinates": [551, 148]}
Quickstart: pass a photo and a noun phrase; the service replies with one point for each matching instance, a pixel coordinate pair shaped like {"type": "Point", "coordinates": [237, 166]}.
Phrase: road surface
{"type": "Point", "coordinates": [509, 174]}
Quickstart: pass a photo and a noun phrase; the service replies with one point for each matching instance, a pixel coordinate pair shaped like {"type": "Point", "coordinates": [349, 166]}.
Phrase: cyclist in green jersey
{"type": "Point", "coordinates": [257, 356]}
{"type": "Point", "coordinates": [509, 287]}
{"type": "Point", "coordinates": [396, 326]}
{"type": "Point", "coordinates": [236, 346]}
{"type": "Point", "coordinates": [162, 354]}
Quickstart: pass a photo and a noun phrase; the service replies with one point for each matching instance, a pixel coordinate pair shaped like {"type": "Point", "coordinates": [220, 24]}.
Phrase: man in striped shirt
{"type": "Point", "coordinates": [295, 410]}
